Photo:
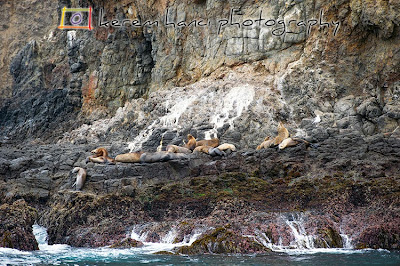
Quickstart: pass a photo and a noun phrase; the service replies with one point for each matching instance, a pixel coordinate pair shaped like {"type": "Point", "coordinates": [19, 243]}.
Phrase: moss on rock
{"type": "Point", "coordinates": [223, 241]}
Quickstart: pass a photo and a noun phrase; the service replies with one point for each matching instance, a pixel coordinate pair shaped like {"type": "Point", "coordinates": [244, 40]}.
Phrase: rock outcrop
{"type": "Point", "coordinates": [253, 64]}
{"type": "Point", "coordinates": [223, 241]}
{"type": "Point", "coordinates": [259, 193]}
{"type": "Point", "coordinates": [346, 73]}
{"type": "Point", "coordinates": [16, 222]}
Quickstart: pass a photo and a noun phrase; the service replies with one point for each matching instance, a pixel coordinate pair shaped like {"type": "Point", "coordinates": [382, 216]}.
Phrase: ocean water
{"type": "Point", "coordinates": [66, 255]}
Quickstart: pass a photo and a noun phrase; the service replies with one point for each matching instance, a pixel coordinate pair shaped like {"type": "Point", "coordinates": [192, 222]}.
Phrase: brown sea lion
{"type": "Point", "coordinates": [191, 144]}
{"type": "Point", "coordinates": [208, 142]}
{"type": "Point", "coordinates": [268, 142]}
{"type": "Point", "coordinates": [177, 149]}
{"type": "Point", "coordinates": [203, 149]}
{"type": "Point", "coordinates": [80, 177]}
{"type": "Point", "coordinates": [283, 133]}
{"type": "Point", "coordinates": [100, 156]}
{"type": "Point", "coordinates": [132, 157]}
{"type": "Point", "coordinates": [289, 142]}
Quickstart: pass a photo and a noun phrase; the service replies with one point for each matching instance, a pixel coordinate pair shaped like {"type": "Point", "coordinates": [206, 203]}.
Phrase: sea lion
{"type": "Point", "coordinates": [100, 156]}
{"type": "Point", "coordinates": [159, 148]}
{"type": "Point", "coordinates": [175, 156]}
{"type": "Point", "coordinates": [216, 152]}
{"type": "Point", "coordinates": [203, 149]}
{"type": "Point", "coordinates": [227, 146]}
{"type": "Point", "coordinates": [80, 178]}
{"type": "Point", "coordinates": [178, 149]}
{"type": "Point", "coordinates": [152, 157]}
{"type": "Point", "coordinates": [191, 142]}
{"type": "Point", "coordinates": [268, 142]}
{"type": "Point", "coordinates": [289, 142]}
{"type": "Point", "coordinates": [132, 157]}
{"type": "Point", "coordinates": [208, 142]}
{"type": "Point", "coordinates": [283, 133]}
{"type": "Point", "coordinates": [163, 156]}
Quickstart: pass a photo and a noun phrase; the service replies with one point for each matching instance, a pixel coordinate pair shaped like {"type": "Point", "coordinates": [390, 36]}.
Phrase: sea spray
{"type": "Point", "coordinates": [301, 238]}
{"type": "Point", "coordinates": [42, 237]}
{"type": "Point", "coordinates": [104, 255]}
{"type": "Point", "coordinates": [168, 240]}
{"type": "Point", "coordinates": [40, 234]}
{"type": "Point", "coordinates": [346, 241]}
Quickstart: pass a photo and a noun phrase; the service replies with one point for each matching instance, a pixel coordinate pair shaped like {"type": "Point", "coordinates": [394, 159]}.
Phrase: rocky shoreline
{"type": "Point", "coordinates": [347, 185]}
{"type": "Point", "coordinates": [67, 92]}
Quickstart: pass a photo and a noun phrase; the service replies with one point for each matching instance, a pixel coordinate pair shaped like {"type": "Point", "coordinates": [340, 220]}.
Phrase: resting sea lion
{"type": "Point", "coordinates": [80, 178]}
{"type": "Point", "coordinates": [227, 146]}
{"type": "Point", "coordinates": [178, 149]}
{"type": "Point", "coordinates": [268, 142]}
{"type": "Point", "coordinates": [289, 142]}
{"type": "Point", "coordinates": [152, 157]}
{"type": "Point", "coordinates": [175, 156]}
{"type": "Point", "coordinates": [204, 149]}
{"type": "Point", "coordinates": [208, 142]}
{"type": "Point", "coordinates": [216, 152]}
{"type": "Point", "coordinates": [283, 133]}
{"type": "Point", "coordinates": [133, 157]}
{"type": "Point", "coordinates": [191, 142]}
{"type": "Point", "coordinates": [100, 156]}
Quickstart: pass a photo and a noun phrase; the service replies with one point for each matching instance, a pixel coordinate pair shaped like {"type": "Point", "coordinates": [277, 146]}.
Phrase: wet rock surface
{"type": "Point", "coordinates": [127, 243]}
{"type": "Point", "coordinates": [223, 241]}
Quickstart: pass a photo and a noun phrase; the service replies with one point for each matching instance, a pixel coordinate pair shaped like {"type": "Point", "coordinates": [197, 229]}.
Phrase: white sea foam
{"type": "Point", "coordinates": [167, 242]}
{"type": "Point", "coordinates": [346, 241]}
{"type": "Point", "coordinates": [12, 251]}
{"type": "Point", "coordinates": [40, 234]}
{"type": "Point", "coordinates": [62, 254]}
{"type": "Point", "coordinates": [303, 242]}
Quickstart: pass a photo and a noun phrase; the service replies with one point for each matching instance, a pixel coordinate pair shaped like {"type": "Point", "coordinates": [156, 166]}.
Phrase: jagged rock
{"type": "Point", "coordinates": [386, 236]}
{"type": "Point", "coordinates": [16, 222]}
{"type": "Point", "coordinates": [127, 243]}
{"type": "Point", "coordinates": [223, 241]}
{"type": "Point", "coordinates": [331, 237]}
{"type": "Point", "coordinates": [83, 89]}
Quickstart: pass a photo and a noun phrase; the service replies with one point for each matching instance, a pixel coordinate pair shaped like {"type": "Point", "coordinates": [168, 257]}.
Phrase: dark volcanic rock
{"type": "Point", "coordinates": [386, 236]}
{"type": "Point", "coordinates": [223, 241]}
{"type": "Point", "coordinates": [127, 243]}
{"type": "Point", "coordinates": [332, 189]}
{"type": "Point", "coordinates": [87, 220]}
{"type": "Point", "coordinates": [16, 222]}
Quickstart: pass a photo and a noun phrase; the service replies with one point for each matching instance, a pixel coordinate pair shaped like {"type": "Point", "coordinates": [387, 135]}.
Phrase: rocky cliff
{"type": "Point", "coordinates": [232, 69]}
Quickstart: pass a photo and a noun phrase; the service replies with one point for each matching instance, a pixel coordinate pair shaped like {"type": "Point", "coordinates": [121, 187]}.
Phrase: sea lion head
{"type": "Point", "coordinates": [76, 169]}
{"type": "Point", "coordinates": [100, 151]}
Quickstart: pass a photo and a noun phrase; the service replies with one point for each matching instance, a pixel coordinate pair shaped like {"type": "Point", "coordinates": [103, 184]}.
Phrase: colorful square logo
{"type": "Point", "coordinates": [76, 18]}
